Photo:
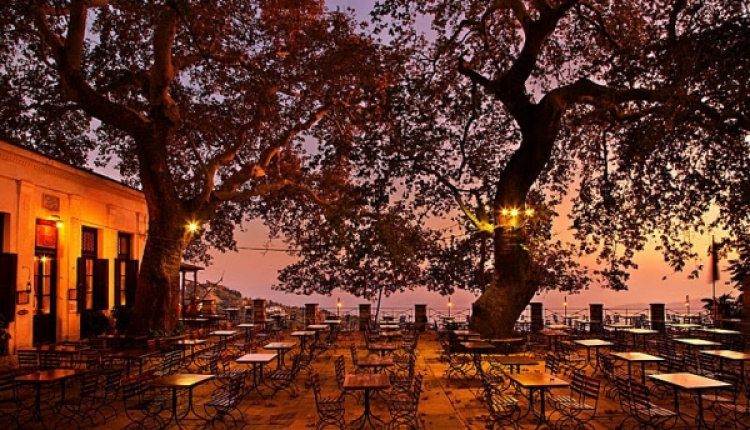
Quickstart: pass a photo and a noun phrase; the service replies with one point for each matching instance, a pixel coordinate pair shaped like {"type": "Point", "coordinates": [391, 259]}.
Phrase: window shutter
{"type": "Point", "coordinates": [8, 277]}
{"type": "Point", "coordinates": [81, 283]}
{"type": "Point", "coordinates": [101, 284]}
{"type": "Point", "coordinates": [131, 282]}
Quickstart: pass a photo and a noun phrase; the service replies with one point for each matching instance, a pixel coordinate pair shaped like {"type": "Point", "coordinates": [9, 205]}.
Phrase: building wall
{"type": "Point", "coordinates": [30, 187]}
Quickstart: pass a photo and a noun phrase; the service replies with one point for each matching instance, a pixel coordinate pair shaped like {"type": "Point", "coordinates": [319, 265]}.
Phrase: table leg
{"type": "Point", "coordinates": [367, 416]}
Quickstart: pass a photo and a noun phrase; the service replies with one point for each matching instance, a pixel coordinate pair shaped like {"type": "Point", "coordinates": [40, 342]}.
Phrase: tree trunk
{"type": "Point", "coordinates": [495, 312]}
{"type": "Point", "coordinates": [158, 293]}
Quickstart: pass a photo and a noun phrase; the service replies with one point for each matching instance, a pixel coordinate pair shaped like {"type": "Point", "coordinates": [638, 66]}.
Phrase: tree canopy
{"type": "Point", "coordinates": [219, 111]}
{"type": "Point", "coordinates": [637, 112]}
{"type": "Point", "coordinates": [395, 168]}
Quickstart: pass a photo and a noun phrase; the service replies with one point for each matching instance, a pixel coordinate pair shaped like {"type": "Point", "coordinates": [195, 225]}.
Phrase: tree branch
{"type": "Point", "coordinates": [162, 71]}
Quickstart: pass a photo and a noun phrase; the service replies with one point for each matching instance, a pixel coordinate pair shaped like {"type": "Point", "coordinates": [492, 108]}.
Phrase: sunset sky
{"type": "Point", "coordinates": [252, 272]}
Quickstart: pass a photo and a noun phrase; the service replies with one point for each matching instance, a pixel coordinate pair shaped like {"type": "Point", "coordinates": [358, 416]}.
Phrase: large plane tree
{"type": "Point", "coordinates": [634, 111]}
{"type": "Point", "coordinates": [219, 111]}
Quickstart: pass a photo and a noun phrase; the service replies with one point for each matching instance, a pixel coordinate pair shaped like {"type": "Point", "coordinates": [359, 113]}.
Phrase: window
{"type": "Point", "coordinates": [86, 272]}
{"type": "Point", "coordinates": [126, 271]}
{"type": "Point", "coordinates": [123, 245]}
{"type": "Point", "coordinates": [44, 278]}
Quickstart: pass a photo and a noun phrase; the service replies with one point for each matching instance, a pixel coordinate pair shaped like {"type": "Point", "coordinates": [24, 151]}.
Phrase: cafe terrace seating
{"type": "Point", "coordinates": [330, 409]}
{"type": "Point", "coordinates": [404, 406]}
{"type": "Point", "coordinates": [579, 406]}
{"type": "Point", "coordinates": [225, 400]}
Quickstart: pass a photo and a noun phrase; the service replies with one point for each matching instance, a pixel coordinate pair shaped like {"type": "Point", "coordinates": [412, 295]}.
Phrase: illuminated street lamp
{"type": "Point", "coordinates": [338, 306]}
{"type": "Point", "coordinates": [450, 305]}
{"type": "Point", "coordinates": [565, 307]}
{"type": "Point", "coordinates": [193, 226]}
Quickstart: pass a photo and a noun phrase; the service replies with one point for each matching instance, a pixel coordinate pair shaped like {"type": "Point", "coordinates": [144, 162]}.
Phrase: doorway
{"type": "Point", "coordinates": [45, 283]}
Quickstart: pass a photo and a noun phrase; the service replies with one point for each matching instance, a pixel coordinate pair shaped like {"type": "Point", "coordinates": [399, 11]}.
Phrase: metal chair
{"type": "Point", "coordinates": [552, 364]}
{"type": "Point", "coordinates": [330, 409]}
{"type": "Point", "coordinates": [225, 400]}
{"type": "Point", "coordinates": [83, 404]}
{"type": "Point", "coordinates": [636, 401]}
{"type": "Point", "coordinates": [401, 378]}
{"type": "Point", "coordinates": [404, 407]}
{"type": "Point", "coordinates": [734, 414]}
{"type": "Point", "coordinates": [503, 408]}
{"type": "Point", "coordinates": [578, 407]}
{"type": "Point", "coordinates": [283, 379]}
{"type": "Point", "coordinates": [141, 405]}
{"type": "Point", "coordinates": [569, 358]}
{"type": "Point", "coordinates": [340, 369]}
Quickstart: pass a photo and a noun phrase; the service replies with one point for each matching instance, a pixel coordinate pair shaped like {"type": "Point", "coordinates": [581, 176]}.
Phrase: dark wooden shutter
{"type": "Point", "coordinates": [101, 284]}
{"type": "Point", "coordinates": [8, 277]}
{"type": "Point", "coordinates": [81, 283]}
{"type": "Point", "coordinates": [131, 282]}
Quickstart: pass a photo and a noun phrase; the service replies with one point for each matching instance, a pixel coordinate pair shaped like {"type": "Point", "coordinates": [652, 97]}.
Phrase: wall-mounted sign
{"type": "Point", "coordinates": [46, 234]}
{"type": "Point", "coordinates": [51, 203]}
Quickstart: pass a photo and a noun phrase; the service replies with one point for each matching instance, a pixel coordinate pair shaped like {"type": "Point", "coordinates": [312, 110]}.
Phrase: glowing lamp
{"type": "Point", "coordinates": [192, 227]}
{"type": "Point", "coordinates": [514, 212]}
{"type": "Point", "coordinates": [529, 212]}
{"type": "Point", "coordinates": [338, 306]}
{"type": "Point", "coordinates": [58, 222]}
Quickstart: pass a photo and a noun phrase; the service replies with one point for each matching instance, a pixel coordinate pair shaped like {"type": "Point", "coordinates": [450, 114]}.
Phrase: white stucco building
{"type": "Point", "coordinates": [70, 240]}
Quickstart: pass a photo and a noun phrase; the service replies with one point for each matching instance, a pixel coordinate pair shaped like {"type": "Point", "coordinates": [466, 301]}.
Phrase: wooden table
{"type": "Point", "coordinates": [390, 335]}
{"type": "Point", "coordinates": [257, 361]}
{"type": "Point", "coordinates": [538, 382]}
{"type": "Point", "coordinates": [697, 343]}
{"type": "Point", "coordinates": [382, 348]}
{"type": "Point", "coordinates": [376, 363]}
{"type": "Point", "coordinates": [476, 349]}
{"type": "Point", "coordinates": [729, 355]}
{"type": "Point", "coordinates": [45, 354]}
{"type": "Point", "coordinates": [619, 326]}
{"type": "Point", "coordinates": [302, 335]}
{"type": "Point", "coordinates": [717, 333]}
{"type": "Point", "coordinates": [281, 348]}
{"type": "Point", "coordinates": [131, 355]}
{"type": "Point", "coordinates": [332, 324]}
{"type": "Point", "coordinates": [181, 381]}
{"type": "Point", "coordinates": [249, 327]}
{"type": "Point", "coordinates": [686, 327]}
{"type": "Point", "coordinates": [223, 335]}
{"type": "Point", "coordinates": [642, 332]}
{"type": "Point", "coordinates": [188, 344]}
{"type": "Point", "coordinates": [317, 328]}
{"type": "Point", "coordinates": [465, 334]}
{"type": "Point", "coordinates": [504, 345]}
{"type": "Point", "coordinates": [552, 336]}
{"type": "Point", "coordinates": [515, 362]}
{"type": "Point", "coordinates": [596, 345]}
{"type": "Point", "coordinates": [689, 382]}
{"type": "Point", "coordinates": [637, 357]}
{"type": "Point", "coordinates": [366, 382]}
{"type": "Point", "coordinates": [559, 327]}
{"type": "Point", "coordinates": [45, 377]}
{"type": "Point", "coordinates": [389, 327]}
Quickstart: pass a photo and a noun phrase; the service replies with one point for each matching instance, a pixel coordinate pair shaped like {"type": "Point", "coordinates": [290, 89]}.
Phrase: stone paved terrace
{"type": "Point", "coordinates": [445, 403]}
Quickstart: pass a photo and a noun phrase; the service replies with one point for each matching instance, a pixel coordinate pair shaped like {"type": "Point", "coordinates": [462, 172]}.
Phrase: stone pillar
{"type": "Point", "coordinates": [596, 312]}
{"type": "Point", "coordinates": [420, 317]}
{"type": "Point", "coordinates": [537, 316]}
{"type": "Point", "coordinates": [364, 316]}
{"type": "Point", "coordinates": [311, 313]}
{"type": "Point", "coordinates": [259, 311]}
{"type": "Point", "coordinates": [658, 316]}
